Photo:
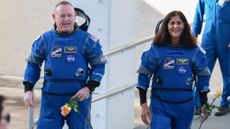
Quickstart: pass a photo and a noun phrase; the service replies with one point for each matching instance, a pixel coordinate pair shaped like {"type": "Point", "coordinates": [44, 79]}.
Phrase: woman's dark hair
{"type": "Point", "coordinates": [158, 26]}
{"type": "Point", "coordinates": [2, 99]}
{"type": "Point", "coordinates": [163, 37]}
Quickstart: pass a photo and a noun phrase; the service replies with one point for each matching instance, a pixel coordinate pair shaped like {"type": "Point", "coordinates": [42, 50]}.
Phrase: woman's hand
{"type": "Point", "coordinates": [204, 115]}
{"type": "Point", "coordinates": [145, 114]}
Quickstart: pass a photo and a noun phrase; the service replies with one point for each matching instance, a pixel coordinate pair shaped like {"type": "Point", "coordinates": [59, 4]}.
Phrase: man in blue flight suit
{"type": "Point", "coordinates": [74, 66]}
{"type": "Point", "coordinates": [216, 40]}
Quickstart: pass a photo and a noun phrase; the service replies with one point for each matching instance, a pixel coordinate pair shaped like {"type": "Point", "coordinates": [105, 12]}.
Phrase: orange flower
{"type": "Point", "coordinates": [65, 110]}
{"type": "Point", "coordinates": [71, 104]}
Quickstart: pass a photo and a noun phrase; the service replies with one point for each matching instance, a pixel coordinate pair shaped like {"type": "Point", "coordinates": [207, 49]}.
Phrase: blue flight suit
{"type": "Point", "coordinates": [172, 69]}
{"type": "Point", "coordinates": [70, 61]}
{"type": "Point", "coordinates": [215, 38]}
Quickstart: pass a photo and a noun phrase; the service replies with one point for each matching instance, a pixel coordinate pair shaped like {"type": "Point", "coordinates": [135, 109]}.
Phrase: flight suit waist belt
{"type": "Point", "coordinates": [64, 80]}
{"type": "Point", "coordinates": [172, 89]}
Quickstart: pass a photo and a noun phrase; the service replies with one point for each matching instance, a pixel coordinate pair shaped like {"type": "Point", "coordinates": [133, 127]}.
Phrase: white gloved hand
{"type": "Point", "coordinates": [29, 99]}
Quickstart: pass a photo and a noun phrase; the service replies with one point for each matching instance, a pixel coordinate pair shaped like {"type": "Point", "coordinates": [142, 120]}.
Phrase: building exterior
{"type": "Point", "coordinates": [21, 22]}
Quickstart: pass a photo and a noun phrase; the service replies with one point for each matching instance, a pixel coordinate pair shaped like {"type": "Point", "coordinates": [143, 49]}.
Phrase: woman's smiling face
{"type": "Point", "coordinates": [175, 28]}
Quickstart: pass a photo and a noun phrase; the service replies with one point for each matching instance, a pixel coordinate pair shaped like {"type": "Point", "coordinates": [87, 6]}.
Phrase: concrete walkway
{"type": "Point", "coordinates": [15, 106]}
{"type": "Point", "coordinates": [212, 123]}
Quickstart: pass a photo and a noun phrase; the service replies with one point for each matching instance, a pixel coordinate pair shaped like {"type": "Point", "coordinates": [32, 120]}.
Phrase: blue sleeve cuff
{"type": "Point", "coordinates": [143, 81]}
{"type": "Point", "coordinates": [97, 72]}
{"type": "Point", "coordinates": [203, 83]}
{"type": "Point", "coordinates": [32, 73]}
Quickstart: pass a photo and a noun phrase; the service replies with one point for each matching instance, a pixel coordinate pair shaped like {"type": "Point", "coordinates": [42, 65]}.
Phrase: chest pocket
{"type": "Point", "coordinates": [180, 62]}
{"type": "Point", "coordinates": [65, 59]}
{"type": "Point", "coordinates": [172, 82]}
{"type": "Point", "coordinates": [65, 51]}
{"type": "Point", "coordinates": [177, 65]}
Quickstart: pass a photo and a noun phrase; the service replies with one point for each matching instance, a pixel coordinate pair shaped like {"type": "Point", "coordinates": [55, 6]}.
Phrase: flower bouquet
{"type": "Point", "coordinates": [71, 104]}
{"type": "Point", "coordinates": [209, 107]}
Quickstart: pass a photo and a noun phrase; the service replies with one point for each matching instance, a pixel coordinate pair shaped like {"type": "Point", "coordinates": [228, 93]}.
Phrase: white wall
{"type": "Point", "coordinates": [20, 23]}
{"type": "Point", "coordinates": [114, 22]}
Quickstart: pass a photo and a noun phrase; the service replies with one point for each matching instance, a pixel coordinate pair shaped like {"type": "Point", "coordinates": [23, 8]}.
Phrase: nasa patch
{"type": "Point", "coordinates": [147, 48]}
{"type": "Point", "coordinates": [70, 58]}
{"type": "Point", "coordinates": [182, 70]}
{"type": "Point", "coordinates": [169, 63]}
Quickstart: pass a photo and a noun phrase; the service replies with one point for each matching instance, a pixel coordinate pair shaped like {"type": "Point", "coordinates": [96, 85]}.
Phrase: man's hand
{"type": "Point", "coordinates": [204, 115]}
{"type": "Point", "coordinates": [29, 99]}
{"type": "Point", "coordinates": [145, 114]}
{"type": "Point", "coordinates": [82, 94]}
{"type": "Point", "coordinates": [229, 45]}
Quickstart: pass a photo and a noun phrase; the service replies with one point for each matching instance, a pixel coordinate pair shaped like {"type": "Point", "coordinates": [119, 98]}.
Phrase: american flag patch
{"type": "Point", "coordinates": [94, 38]}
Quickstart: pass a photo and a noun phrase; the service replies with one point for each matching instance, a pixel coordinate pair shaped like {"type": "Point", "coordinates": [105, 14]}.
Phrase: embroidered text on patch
{"type": "Point", "coordinates": [70, 50]}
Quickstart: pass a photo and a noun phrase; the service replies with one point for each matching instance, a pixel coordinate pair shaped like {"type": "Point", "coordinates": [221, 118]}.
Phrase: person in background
{"type": "Point", "coordinates": [169, 63]}
{"type": "Point", "coordinates": [4, 115]}
{"type": "Point", "coordinates": [215, 41]}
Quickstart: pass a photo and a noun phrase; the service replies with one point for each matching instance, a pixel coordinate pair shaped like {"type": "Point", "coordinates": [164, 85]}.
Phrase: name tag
{"type": "Point", "coordinates": [71, 50]}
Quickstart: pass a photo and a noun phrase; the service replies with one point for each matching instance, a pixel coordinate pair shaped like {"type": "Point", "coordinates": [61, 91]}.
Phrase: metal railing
{"type": "Point", "coordinates": [117, 50]}
{"type": "Point", "coordinates": [129, 45]}
{"type": "Point", "coordinates": [114, 92]}
{"type": "Point", "coordinates": [100, 96]}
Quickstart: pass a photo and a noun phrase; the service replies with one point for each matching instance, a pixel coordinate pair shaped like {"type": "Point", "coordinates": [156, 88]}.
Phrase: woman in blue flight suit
{"type": "Point", "coordinates": [216, 40]}
{"type": "Point", "coordinates": [172, 60]}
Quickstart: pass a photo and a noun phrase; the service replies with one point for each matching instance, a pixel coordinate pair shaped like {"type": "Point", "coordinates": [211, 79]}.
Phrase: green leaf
{"type": "Point", "coordinates": [74, 105]}
{"type": "Point", "coordinates": [76, 109]}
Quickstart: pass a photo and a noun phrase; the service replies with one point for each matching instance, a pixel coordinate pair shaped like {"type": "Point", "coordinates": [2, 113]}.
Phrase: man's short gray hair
{"type": "Point", "coordinates": [63, 3]}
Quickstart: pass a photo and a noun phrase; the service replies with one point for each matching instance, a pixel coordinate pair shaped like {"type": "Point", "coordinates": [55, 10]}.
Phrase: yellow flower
{"type": "Point", "coordinates": [65, 110]}
{"type": "Point", "coordinates": [218, 93]}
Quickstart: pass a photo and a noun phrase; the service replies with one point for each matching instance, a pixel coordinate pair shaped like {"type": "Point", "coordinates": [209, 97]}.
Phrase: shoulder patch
{"type": "Point", "coordinates": [37, 37]}
{"type": "Point", "coordinates": [202, 50]}
{"type": "Point", "coordinates": [147, 48]}
{"type": "Point", "coordinates": [94, 38]}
